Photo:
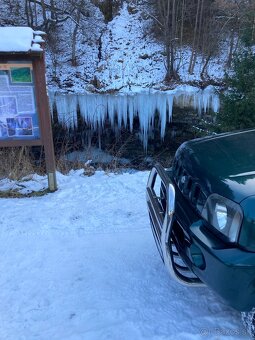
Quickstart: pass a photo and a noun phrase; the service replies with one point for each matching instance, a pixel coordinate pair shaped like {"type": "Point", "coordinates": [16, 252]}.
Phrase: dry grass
{"type": "Point", "coordinates": [16, 194]}
{"type": "Point", "coordinates": [16, 163]}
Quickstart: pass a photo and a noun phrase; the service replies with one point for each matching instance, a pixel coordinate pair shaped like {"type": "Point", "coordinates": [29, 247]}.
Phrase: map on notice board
{"type": "Point", "coordinates": [18, 114]}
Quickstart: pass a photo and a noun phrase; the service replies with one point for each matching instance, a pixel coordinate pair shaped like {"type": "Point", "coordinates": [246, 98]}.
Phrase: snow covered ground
{"type": "Point", "coordinates": [81, 263]}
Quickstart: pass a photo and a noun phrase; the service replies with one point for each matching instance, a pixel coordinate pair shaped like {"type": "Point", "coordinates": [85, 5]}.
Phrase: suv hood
{"type": "Point", "coordinates": [222, 164]}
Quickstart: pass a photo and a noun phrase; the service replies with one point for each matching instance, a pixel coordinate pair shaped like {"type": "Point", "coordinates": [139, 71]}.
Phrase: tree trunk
{"type": "Point", "coordinates": [44, 11]}
{"type": "Point", "coordinates": [75, 32]}
{"type": "Point", "coordinates": [35, 13]}
{"type": "Point", "coordinates": [181, 33]}
{"type": "Point", "coordinates": [168, 59]}
{"type": "Point", "coordinates": [52, 12]}
{"type": "Point", "coordinates": [169, 18]}
{"type": "Point", "coordinates": [202, 74]}
{"type": "Point", "coordinates": [29, 13]}
{"type": "Point", "coordinates": [194, 52]}
{"type": "Point", "coordinates": [172, 68]}
{"type": "Point", "coordinates": [231, 49]}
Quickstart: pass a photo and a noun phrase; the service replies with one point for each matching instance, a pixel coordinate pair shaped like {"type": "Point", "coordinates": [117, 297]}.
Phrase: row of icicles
{"type": "Point", "coordinates": [124, 107]}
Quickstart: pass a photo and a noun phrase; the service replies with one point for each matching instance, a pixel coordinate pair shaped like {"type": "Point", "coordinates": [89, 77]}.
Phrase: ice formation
{"type": "Point", "coordinates": [122, 108]}
{"type": "Point", "coordinates": [66, 109]}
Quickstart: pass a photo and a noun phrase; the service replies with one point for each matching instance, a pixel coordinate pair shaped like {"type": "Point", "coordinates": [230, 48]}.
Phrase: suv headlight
{"type": "Point", "coordinates": [224, 215]}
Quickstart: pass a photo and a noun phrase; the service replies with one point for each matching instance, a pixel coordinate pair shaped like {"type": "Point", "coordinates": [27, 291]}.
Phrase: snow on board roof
{"type": "Point", "coordinates": [20, 39]}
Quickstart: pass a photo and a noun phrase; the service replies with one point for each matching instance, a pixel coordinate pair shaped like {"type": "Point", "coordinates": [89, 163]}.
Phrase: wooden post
{"type": "Point", "coordinates": [45, 119]}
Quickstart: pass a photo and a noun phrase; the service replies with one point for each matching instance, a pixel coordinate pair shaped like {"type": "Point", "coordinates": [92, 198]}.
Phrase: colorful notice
{"type": "Point", "coordinates": [18, 113]}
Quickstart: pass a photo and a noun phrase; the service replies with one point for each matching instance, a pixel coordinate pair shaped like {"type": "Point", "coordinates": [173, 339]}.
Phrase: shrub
{"type": "Point", "coordinates": [238, 101]}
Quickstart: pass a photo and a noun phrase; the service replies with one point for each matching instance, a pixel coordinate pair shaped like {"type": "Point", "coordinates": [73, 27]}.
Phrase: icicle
{"type": "Point", "coordinates": [100, 110]}
{"type": "Point", "coordinates": [67, 110]}
{"type": "Point", "coordinates": [153, 105]}
{"type": "Point", "coordinates": [93, 108]}
{"type": "Point", "coordinates": [215, 103]}
{"type": "Point", "coordinates": [183, 96]}
{"type": "Point", "coordinates": [51, 96]}
{"type": "Point", "coordinates": [197, 101]}
{"type": "Point", "coordinates": [61, 109]}
{"type": "Point", "coordinates": [131, 111]}
{"type": "Point", "coordinates": [170, 103]}
{"type": "Point", "coordinates": [146, 106]}
{"type": "Point", "coordinates": [177, 101]}
{"type": "Point", "coordinates": [124, 111]}
{"type": "Point", "coordinates": [111, 108]}
{"type": "Point", "coordinates": [72, 107]}
{"type": "Point", "coordinates": [162, 109]}
{"type": "Point", "coordinates": [206, 96]}
{"type": "Point", "coordinates": [86, 104]}
{"type": "Point", "coordinates": [144, 109]}
{"type": "Point", "coordinates": [213, 100]}
{"type": "Point", "coordinates": [82, 101]}
{"type": "Point", "coordinates": [121, 109]}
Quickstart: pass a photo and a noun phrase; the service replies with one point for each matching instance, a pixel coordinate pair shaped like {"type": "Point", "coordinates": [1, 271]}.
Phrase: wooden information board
{"type": "Point", "coordinates": [24, 106]}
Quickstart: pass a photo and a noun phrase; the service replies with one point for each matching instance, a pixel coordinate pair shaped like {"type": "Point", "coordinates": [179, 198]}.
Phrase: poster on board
{"type": "Point", "coordinates": [18, 114]}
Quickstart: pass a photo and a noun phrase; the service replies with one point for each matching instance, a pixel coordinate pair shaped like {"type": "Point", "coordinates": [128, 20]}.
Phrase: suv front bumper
{"type": "Point", "coordinates": [228, 270]}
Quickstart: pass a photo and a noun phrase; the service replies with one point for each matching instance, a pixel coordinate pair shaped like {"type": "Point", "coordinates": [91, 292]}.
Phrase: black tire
{"type": "Point", "coordinates": [248, 319]}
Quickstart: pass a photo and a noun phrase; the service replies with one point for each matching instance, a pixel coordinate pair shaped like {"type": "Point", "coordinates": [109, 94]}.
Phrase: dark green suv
{"type": "Point", "coordinates": [202, 212]}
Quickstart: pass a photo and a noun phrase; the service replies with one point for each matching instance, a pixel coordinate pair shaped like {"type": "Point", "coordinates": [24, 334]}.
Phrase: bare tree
{"type": "Point", "coordinates": [29, 13]}
{"type": "Point", "coordinates": [79, 9]}
{"type": "Point", "coordinates": [167, 17]}
{"type": "Point", "coordinates": [52, 13]}
{"type": "Point", "coordinates": [195, 35]}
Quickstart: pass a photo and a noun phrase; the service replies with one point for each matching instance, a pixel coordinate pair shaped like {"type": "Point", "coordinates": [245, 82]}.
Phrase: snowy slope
{"type": "Point", "coordinates": [61, 75]}
{"type": "Point", "coordinates": [119, 55]}
{"type": "Point", "coordinates": [132, 57]}
{"type": "Point", "coordinates": [81, 263]}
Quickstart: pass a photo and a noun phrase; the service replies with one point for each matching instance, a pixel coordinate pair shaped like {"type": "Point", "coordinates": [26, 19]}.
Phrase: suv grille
{"type": "Point", "coordinates": [189, 187]}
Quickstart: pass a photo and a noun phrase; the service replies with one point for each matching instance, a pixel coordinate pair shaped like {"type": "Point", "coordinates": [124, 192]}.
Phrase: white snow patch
{"type": "Point", "coordinates": [19, 39]}
{"type": "Point", "coordinates": [81, 263]}
{"type": "Point", "coordinates": [94, 155]}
